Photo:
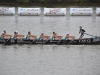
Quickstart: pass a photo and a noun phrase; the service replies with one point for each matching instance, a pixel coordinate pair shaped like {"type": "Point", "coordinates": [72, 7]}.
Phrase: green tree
{"type": "Point", "coordinates": [84, 1]}
{"type": "Point", "coordinates": [23, 1]}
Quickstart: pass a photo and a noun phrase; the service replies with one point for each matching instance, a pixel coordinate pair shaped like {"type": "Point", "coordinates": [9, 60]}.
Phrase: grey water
{"type": "Point", "coordinates": [50, 59]}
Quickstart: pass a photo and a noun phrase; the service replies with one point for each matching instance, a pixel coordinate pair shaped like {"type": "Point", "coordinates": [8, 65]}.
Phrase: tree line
{"type": "Point", "coordinates": [50, 1]}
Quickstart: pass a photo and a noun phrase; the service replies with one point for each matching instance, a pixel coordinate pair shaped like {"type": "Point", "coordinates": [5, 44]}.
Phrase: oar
{"type": "Point", "coordinates": [20, 40]}
{"type": "Point", "coordinates": [45, 41]}
{"type": "Point", "coordinates": [91, 35]}
{"type": "Point", "coordinates": [6, 41]}
{"type": "Point", "coordinates": [59, 41]}
{"type": "Point", "coordinates": [32, 41]}
{"type": "Point", "coordinates": [70, 42]}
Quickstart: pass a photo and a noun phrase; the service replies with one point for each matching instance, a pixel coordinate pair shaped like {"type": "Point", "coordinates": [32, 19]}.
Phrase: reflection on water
{"type": "Point", "coordinates": [50, 59]}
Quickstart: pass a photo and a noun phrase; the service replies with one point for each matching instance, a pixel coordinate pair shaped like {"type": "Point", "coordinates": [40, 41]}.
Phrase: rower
{"type": "Point", "coordinates": [18, 36]}
{"type": "Point", "coordinates": [56, 37]}
{"type": "Point", "coordinates": [5, 36]}
{"type": "Point", "coordinates": [69, 37]}
{"type": "Point", "coordinates": [44, 37]}
{"type": "Point", "coordinates": [30, 37]}
{"type": "Point", "coordinates": [81, 31]}
{"type": "Point", "coordinates": [2, 35]}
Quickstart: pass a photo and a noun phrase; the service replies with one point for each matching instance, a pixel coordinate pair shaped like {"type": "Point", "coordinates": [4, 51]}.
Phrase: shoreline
{"type": "Point", "coordinates": [48, 5]}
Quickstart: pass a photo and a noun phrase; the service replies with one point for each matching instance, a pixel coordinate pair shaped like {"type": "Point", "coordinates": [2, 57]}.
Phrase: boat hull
{"type": "Point", "coordinates": [86, 41]}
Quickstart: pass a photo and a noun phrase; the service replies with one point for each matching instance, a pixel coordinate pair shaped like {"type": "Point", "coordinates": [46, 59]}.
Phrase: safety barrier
{"type": "Point", "coordinates": [48, 11]}
{"type": "Point", "coordinates": [81, 11]}
{"type": "Point", "coordinates": [97, 11]}
{"type": "Point", "coordinates": [7, 10]}
{"type": "Point", "coordinates": [28, 11]}
{"type": "Point", "coordinates": [54, 11]}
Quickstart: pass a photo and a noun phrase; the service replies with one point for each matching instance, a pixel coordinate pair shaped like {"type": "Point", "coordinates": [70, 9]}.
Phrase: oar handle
{"type": "Point", "coordinates": [91, 35]}
{"type": "Point", "coordinates": [88, 34]}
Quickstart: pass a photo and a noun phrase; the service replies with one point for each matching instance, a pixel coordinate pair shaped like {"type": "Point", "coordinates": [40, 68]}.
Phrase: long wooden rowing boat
{"type": "Point", "coordinates": [86, 41]}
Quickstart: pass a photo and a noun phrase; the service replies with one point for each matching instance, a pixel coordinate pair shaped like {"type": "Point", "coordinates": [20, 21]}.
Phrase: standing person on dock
{"type": "Point", "coordinates": [81, 31]}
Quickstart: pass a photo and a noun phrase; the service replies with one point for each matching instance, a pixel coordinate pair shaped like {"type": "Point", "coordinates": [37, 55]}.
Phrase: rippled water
{"type": "Point", "coordinates": [50, 59]}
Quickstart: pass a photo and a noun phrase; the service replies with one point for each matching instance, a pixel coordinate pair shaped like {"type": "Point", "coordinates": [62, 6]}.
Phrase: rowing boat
{"type": "Point", "coordinates": [85, 41]}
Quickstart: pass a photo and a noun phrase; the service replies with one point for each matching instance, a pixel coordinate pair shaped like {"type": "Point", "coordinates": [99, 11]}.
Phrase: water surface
{"type": "Point", "coordinates": [50, 59]}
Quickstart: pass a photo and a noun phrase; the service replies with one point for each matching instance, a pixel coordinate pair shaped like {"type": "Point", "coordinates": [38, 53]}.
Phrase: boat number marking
{"type": "Point", "coordinates": [86, 40]}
